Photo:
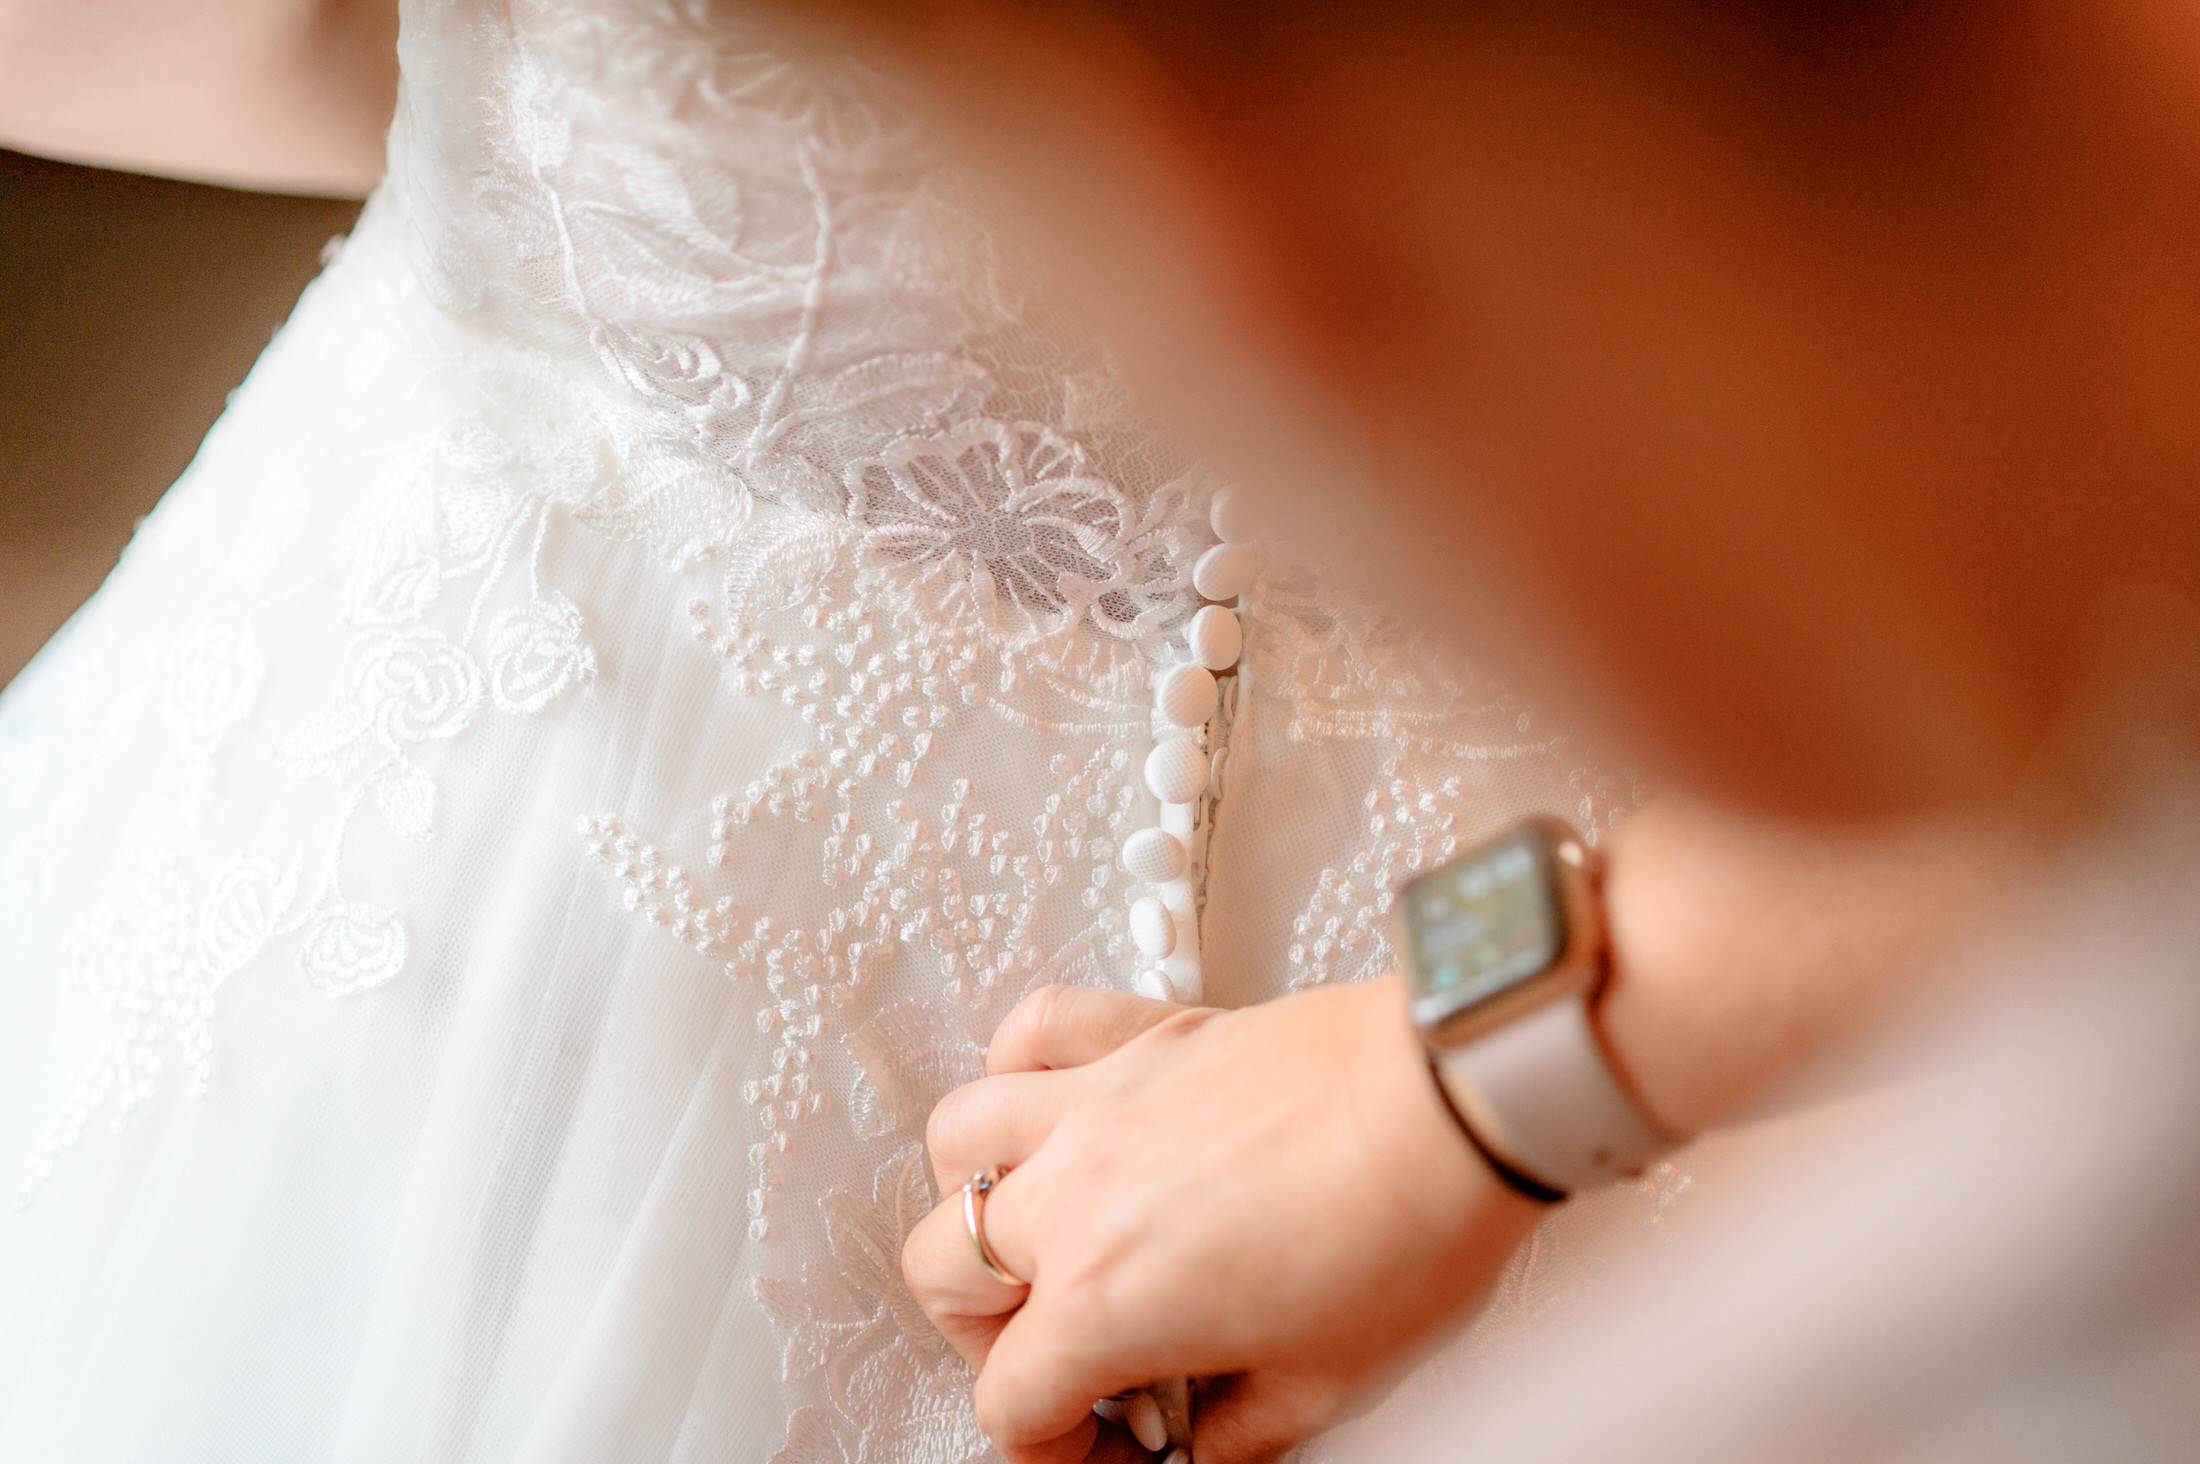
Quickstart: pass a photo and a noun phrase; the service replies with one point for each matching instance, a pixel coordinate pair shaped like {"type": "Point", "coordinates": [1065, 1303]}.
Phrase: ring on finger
{"type": "Point", "coordinates": [974, 1197]}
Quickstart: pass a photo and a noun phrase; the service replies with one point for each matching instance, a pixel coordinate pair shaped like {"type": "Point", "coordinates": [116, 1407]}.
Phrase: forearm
{"type": "Point", "coordinates": [282, 95]}
{"type": "Point", "coordinates": [1745, 950]}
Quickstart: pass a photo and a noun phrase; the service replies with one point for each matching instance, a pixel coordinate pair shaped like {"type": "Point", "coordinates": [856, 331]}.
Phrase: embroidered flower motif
{"type": "Point", "coordinates": [152, 960]}
{"type": "Point", "coordinates": [407, 798]}
{"type": "Point", "coordinates": [352, 949]}
{"type": "Point", "coordinates": [134, 958]}
{"type": "Point", "coordinates": [415, 685]}
{"type": "Point", "coordinates": [680, 368]}
{"type": "Point", "coordinates": [537, 654]}
{"type": "Point", "coordinates": [474, 517]}
{"type": "Point", "coordinates": [218, 671]}
{"type": "Point", "coordinates": [241, 912]}
{"type": "Point", "coordinates": [852, 116]}
{"type": "Point", "coordinates": [909, 1058]}
{"type": "Point", "coordinates": [887, 1370]}
{"type": "Point", "coordinates": [816, 1436]}
{"type": "Point", "coordinates": [393, 588]}
{"type": "Point", "coordinates": [407, 686]}
{"type": "Point", "coordinates": [1014, 516]}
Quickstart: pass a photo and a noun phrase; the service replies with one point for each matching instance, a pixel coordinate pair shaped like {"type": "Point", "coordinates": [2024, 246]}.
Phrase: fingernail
{"type": "Point", "coordinates": [1146, 1423]}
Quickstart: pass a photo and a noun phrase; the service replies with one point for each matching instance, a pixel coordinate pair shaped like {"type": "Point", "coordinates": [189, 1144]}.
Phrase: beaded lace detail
{"type": "Point", "coordinates": [641, 281]}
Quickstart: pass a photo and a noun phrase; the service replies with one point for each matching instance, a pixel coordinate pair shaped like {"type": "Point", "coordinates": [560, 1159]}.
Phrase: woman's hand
{"type": "Point", "coordinates": [1272, 1200]}
{"type": "Point", "coordinates": [1276, 1199]}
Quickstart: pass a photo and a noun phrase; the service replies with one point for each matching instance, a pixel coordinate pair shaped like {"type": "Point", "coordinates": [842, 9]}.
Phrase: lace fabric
{"type": "Point", "coordinates": [650, 667]}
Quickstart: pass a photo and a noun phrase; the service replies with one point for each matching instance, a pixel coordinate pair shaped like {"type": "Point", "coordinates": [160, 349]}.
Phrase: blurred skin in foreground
{"type": "Point", "coordinates": [1801, 383]}
{"type": "Point", "coordinates": [1809, 395]}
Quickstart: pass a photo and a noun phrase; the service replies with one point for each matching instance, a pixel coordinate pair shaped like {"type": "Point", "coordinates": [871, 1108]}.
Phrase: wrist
{"type": "Point", "coordinates": [1656, 920]}
{"type": "Point", "coordinates": [1407, 1127]}
{"type": "Point", "coordinates": [1743, 951]}
{"type": "Point", "coordinates": [1506, 954]}
{"type": "Point", "coordinates": [1454, 1195]}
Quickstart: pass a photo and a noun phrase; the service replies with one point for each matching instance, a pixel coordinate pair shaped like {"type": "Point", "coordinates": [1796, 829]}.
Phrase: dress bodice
{"type": "Point", "coordinates": [761, 256]}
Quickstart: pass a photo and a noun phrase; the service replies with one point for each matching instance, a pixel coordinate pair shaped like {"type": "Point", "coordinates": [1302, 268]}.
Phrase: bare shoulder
{"type": "Point", "coordinates": [288, 96]}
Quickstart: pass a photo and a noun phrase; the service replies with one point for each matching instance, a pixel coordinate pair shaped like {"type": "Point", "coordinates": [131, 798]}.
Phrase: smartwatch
{"type": "Point", "coordinates": [1505, 954]}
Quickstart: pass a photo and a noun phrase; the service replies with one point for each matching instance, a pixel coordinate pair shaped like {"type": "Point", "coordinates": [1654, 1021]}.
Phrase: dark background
{"type": "Point", "coordinates": [129, 308]}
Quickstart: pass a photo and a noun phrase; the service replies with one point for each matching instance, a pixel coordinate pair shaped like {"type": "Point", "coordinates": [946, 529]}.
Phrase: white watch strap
{"type": "Point", "coordinates": [1540, 1094]}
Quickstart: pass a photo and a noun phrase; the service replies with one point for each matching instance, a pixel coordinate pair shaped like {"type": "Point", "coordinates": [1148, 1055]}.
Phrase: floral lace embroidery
{"type": "Point", "coordinates": [879, 652]}
{"type": "Point", "coordinates": [1605, 797]}
{"type": "Point", "coordinates": [153, 965]}
{"type": "Point", "coordinates": [1351, 670]}
{"type": "Point", "coordinates": [216, 681]}
{"type": "Point", "coordinates": [408, 684]}
{"type": "Point", "coordinates": [1342, 932]}
{"type": "Point", "coordinates": [1347, 671]}
{"type": "Point", "coordinates": [1038, 540]}
{"type": "Point", "coordinates": [854, 1322]}
{"type": "Point", "coordinates": [155, 959]}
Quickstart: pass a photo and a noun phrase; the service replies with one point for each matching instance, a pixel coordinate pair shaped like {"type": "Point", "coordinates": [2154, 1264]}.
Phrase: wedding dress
{"type": "Point", "coordinates": [654, 661]}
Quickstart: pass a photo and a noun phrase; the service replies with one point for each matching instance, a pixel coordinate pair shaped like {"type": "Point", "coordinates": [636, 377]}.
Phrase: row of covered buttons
{"type": "Point", "coordinates": [1164, 922]}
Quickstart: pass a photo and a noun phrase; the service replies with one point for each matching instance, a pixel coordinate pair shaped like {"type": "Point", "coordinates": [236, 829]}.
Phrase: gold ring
{"type": "Point", "coordinates": [974, 1194]}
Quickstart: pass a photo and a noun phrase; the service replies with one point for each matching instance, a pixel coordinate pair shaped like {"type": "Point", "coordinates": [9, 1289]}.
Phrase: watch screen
{"type": "Point", "coordinates": [1481, 924]}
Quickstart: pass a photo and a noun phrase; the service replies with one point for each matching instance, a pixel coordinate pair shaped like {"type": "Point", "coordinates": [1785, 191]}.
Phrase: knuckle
{"type": "Point", "coordinates": [1179, 1025]}
{"type": "Point", "coordinates": [918, 1271]}
{"type": "Point", "coordinates": [948, 1121]}
{"type": "Point", "coordinates": [1044, 1011]}
{"type": "Point", "coordinates": [992, 1412]}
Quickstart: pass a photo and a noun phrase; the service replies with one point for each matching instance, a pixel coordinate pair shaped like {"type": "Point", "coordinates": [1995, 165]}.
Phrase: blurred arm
{"type": "Point", "coordinates": [285, 96]}
{"type": "Point", "coordinates": [1747, 949]}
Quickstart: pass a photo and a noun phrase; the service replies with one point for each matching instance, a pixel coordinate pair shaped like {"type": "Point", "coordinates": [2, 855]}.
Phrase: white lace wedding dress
{"type": "Point", "coordinates": [652, 664]}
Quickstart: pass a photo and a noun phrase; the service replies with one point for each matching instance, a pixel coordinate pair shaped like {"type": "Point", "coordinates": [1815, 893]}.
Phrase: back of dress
{"type": "Point", "coordinates": [658, 657]}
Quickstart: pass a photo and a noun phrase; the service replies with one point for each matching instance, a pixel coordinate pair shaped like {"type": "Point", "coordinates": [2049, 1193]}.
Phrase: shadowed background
{"type": "Point", "coordinates": [129, 308]}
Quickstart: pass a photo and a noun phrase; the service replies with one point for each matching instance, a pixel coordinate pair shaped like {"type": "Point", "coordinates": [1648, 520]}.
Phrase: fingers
{"type": "Point", "coordinates": [999, 1120]}
{"type": "Point", "coordinates": [1259, 1417]}
{"type": "Point", "coordinates": [1069, 1026]}
{"type": "Point", "coordinates": [971, 1309]}
{"type": "Point", "coordinates": [965, 1301]}
{"type": "Point", "coordinates": [1038, 1383]}
{"type": "Point", "coordinates": [1086, 1443]}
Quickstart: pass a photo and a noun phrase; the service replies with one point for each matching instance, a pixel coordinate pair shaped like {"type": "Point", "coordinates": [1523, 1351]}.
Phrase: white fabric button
{"type": "Point", "coordinates": [1236, 516]}
{"type": "Point", "coordinates": [1154, 986]}
{"type": "Point", "coordinates": [1185, 987]}
{"type": "Point", "coordinates": [1215, 637]}
{"type": "Point", "coordinates": [1176, 770]}
{"type": "Point", "coordinates": [1186, 695]}
{"type": "Point", "coordinates": [1155, 856]}
{"type": "Point", "coordinates": [1223, 572]}
{"type": "Point", "coordinates": [1153, 929]}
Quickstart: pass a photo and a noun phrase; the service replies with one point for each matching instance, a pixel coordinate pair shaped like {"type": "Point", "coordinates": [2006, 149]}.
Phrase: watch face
{"type": "Point", "coordinates": [1481, 925]}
